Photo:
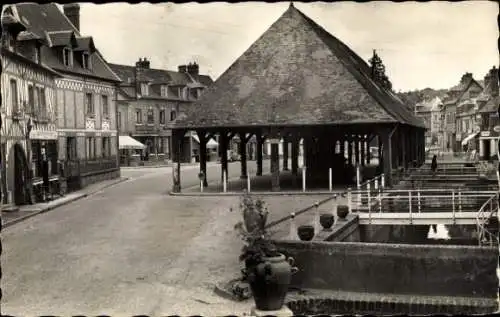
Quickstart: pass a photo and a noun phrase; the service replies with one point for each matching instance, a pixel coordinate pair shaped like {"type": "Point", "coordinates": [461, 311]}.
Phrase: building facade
{"type": "Point", "coordinates": [455, 105]}
{"type": "Point", "coordinates": [432, 114]}
{"type": "Point", "coordinates": [29, 133]}
{"type": "Point", "coordinates": [148, 100]}
{"type": "Point", "coordinates": [84, 96]}
{"type": "Point", "coordinates": [488, 115]}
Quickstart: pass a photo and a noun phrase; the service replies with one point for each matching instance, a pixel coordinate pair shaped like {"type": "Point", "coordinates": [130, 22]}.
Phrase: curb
{"type": "Point", "coordinates": [49, 208]}
{"type": "Point", "coordinates": [283, 193]}
{"type": "Point", "coordinates": [163, 166]}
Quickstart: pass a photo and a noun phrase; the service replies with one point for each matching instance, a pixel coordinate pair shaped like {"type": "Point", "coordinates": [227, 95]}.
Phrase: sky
{"type": "Point", "coordinates": [422, 45]}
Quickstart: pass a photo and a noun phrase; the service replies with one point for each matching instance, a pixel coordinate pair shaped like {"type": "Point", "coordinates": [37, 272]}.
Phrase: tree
{"type": "Point", "coordinates": [378, 72]}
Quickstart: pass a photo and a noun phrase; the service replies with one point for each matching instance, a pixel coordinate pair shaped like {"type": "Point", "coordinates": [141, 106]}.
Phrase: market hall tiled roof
{"type": "Point", "coordinates": [296, 73]}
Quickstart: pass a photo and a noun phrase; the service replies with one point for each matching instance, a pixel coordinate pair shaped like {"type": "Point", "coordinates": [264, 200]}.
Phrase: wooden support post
{"type": "Point", "coordinates": [177, 137]}
{"type": "Point", "coordinates": [403, 137]}
{"type": "Point", "coordinates": [363, 150]}
{"type": "Point", "coordinates": [368, 151]}
{"type": "Point", "coordinates": [386, 140]}
{"type": "Point", "coordinates": [356, 149]}
{"type": "Point", "coordinates": [260, 141]}
{"type": "Point", "coordinates": [223, 143]}
{"type": "Point", "coordinates": [349, 150]}
{"type": "Point", "coordinates": [275, 163]}
{"type": "Point", "coordinates": [203, 155]}
{"type": "Point", "coordinates": [342, 146]}
{"type": "Point", "coordinates": [243, 155]}
{"type": "Point", "coordinates": [380, 153]}
{"type": "Point", "coordinates": [285, 153]}
{"type": "Point", "coordinates": [295, 154]}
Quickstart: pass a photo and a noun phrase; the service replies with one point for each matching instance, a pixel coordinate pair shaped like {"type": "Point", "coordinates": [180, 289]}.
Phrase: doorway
{"type": "Point", "coordinates": [18, 172]}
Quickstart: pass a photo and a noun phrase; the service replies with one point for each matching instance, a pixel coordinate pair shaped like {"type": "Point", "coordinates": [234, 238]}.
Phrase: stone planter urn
{"type": "Point", "coordinates": [342, 211]}
{"type": "Point", "coordinates": [269, 281]}
{"type": "Point", "coordinates": [305, 232]}
{"type": "Point", "coordinates": [326, 220]}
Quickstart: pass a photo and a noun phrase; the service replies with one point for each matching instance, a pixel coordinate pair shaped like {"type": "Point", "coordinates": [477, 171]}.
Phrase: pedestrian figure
{"type": "Point", "coordinates": [434, 164]}
{"type": "Point", "coordinates": [434, 227]}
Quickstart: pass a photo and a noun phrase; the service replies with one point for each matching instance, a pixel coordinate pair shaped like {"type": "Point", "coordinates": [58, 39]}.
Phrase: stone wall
{"type": "Point", "coordinates": [466, 271]}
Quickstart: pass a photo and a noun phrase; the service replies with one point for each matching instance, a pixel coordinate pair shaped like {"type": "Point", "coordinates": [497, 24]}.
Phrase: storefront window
{"type": "Point", "coordinates": [50, 155]}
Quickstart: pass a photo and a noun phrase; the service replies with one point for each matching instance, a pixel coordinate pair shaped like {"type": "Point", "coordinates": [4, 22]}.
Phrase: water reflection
{"type": "Point", "coordinates": [440, 233]}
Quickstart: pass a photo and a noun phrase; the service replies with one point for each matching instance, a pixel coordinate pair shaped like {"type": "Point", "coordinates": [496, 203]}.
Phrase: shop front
{"type": "Point", "coordinates": [44, 164]}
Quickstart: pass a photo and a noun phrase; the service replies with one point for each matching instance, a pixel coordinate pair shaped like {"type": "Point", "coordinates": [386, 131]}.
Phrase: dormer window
{"type": "Point", "coordinates": [8, 41]}
{"type": "Point", "coordinates": [195, 93]}
{"type": "Point", "coordinates": [144, 89]}
{"type": "Point", "coordinates": [67, 56]}
{"type": "Point", "coordinates": [37, 54]}
{"type": "Point", "coordinates": [164, 90]}
{"type": "Point", "coordinates": [86, 60]}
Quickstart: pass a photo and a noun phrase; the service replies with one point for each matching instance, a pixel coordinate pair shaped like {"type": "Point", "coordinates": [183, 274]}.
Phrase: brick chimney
{"type": "Point", "coordinates": [72, 11]}
{"type": "Point", "coordinates": [193, 69]}
{"type": "Point", "coordinates": [182, 68]}
{"type": "Point", "coordinates": [493, 82]}
{"type": "Point", "coordinates": [140, 66]}
{"type": "Point", "coordinates": [142, 63]}
{"type": "Point", "coordinates": [466, 78]}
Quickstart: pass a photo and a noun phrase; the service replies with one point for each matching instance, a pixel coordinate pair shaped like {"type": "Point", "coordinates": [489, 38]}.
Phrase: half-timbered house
{"type": "Point", "coordinates": [28, 113]}
{"type": "Point", "coordinates": [85, 95]}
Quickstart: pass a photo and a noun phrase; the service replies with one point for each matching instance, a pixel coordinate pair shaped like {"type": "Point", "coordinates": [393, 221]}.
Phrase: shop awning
{"type": "Point", "coordinates": [469, 137]}
{"type": "Point", "coordinates": [210, 144]}
{"type": "Point", "coordinates": [129, 143]}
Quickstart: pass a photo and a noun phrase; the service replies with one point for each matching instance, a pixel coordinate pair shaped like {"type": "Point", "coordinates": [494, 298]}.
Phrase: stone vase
{"type": "Point", "coordinates": [326, 221]}
{"type": "Point", "coordinates": [305, 232]}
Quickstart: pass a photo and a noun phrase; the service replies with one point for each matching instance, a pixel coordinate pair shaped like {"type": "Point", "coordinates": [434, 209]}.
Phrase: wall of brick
{"type": "Point", "coordinates": [390, 305]}
{"type": "Point", "coordinates": [467, 271]}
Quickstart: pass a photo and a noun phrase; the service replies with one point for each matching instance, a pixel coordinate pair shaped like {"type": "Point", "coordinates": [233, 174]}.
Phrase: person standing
{"type": "Point", "coordinates": [434, 164]}
{"type": "Point", "coordinates": [45, 174]}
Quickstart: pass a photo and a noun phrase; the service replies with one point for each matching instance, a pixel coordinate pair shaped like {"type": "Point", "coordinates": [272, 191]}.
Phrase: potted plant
{"type": "Point", "coordinates": [305, 232]}
{"type": "Point", "coordinates": [342, 211]}
{"type": "Point", "coordinates": [267, 271]}
{"type": "Point", "coordinates": [326, 220]}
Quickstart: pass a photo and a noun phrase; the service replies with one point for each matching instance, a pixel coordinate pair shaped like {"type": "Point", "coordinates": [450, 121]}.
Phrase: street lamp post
{"type": "Point", "coordinates": [29, 127]}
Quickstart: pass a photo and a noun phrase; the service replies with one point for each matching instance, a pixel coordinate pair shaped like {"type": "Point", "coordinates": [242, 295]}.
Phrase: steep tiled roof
{"type": "Point", "coordinates": [85, 44]}
{"type": "Point", "coordinates": [62, 38]}
{"type": "Point", "coordinates": [460, 90]}
{"type": "Point", "coordinates": [430, 105]}
{"type": "Point", "coordinates": [48, 19]}
{"type": "Point", "coordinates": [27, 36]}
{"type": "Point", "coordinates": [296, 73]}
{"type": "Point", "coordinates": [491, 105]}
{"type": "Point", "coordinates": [159, 76]}
{"type": "Point", "coordinates": [41, 66]}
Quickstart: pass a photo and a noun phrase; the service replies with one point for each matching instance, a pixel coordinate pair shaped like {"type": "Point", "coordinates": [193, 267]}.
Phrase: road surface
{"type": "Point", "coordinates": [127, 250]}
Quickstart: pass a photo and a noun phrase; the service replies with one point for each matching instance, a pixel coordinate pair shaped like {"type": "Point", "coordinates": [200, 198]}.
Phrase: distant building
{"type": "Point", "coordinates": [149, 99]}
{"type": "Point", "coordinates": [455, 105]}
{"type": "Point", "coordinates": [488, 114]}
{"type": "Point", "coordinates": [431, 112]}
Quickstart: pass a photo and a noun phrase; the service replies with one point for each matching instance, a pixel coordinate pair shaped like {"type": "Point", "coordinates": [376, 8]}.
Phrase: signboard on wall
{"type": "Point", "coordinates": [43, 135]}
{"type": "Point", "coordinates": [485, 133]}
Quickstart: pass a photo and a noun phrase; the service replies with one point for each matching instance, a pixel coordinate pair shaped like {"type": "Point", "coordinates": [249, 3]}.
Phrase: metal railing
{"type": "Point", "coordinates": [487, 211]}
{"type": "Point", "coordinates": [416, 200]}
